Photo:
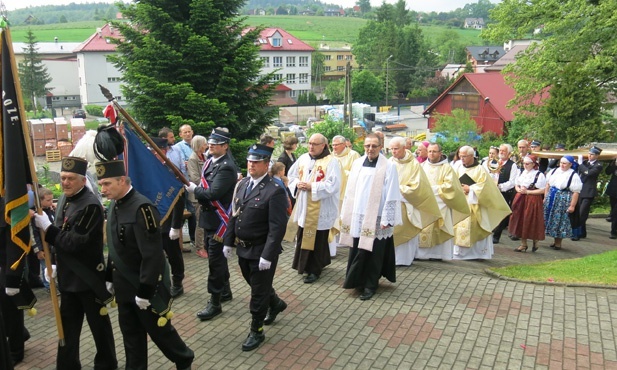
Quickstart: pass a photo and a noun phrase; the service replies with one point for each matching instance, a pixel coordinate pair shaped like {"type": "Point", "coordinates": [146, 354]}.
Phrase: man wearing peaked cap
{"type": "Point", "coordinates": [215, 193]}
{"type": "Point", "coordinates": [554, 162]}
{"type": "Point", "coordinates": [536, 146]}
{"type": "Point", "coordinates": [256, 228]}
{"type": "Point", "coordinates": [588, 170]}
{"type": "Point", "coordinates": [77, 235]}
{"type": "Point", "coordinates": [137, 271]}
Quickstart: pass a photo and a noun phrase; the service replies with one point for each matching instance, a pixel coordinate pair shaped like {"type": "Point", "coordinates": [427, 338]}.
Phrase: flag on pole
{"type": "Point", "coordinates": [149, 176]}
{"type": "Point", "coordinates": [15, 171]}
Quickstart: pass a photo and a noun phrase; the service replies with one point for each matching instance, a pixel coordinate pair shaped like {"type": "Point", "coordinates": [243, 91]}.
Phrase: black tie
{"type": "Point", "coordinates": [249, 188]}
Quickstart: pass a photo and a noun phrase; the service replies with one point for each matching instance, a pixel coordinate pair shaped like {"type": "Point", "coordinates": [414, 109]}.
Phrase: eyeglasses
{"type": "Point", "coordinates": [337, 144]}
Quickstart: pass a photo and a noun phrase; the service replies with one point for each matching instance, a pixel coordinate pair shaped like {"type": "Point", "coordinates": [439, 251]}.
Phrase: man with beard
{"type": "Point", "coordinates": [436, 241]}
{"type": "Point", "coordinates": [505, 182]}
{"type": "Point", "coordinates": [419, 208]}
{"type": "Point", "coordinates": [488, 209]}
{"type": "Point", "coordinates": [315, 182]}
{"type": "Point", "coordinates": [371, 210]}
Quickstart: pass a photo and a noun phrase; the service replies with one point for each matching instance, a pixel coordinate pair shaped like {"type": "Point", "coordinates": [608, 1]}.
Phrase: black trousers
{"type": "Point", "coordinates": [613, 216]}
{"type": "Point", "coordinates": [584, 205]}
{"type": "Point", "coordinates": [136, 325]}
{"type": "Point", "coordinates": [174, 256]}
{"type": "Point", "coordinates": [192, 221]}
{"type": "Point", "coordinates": [263, 295]}
{"type": "Point", "coordinates": [72, 310]}
{"type": "Point", "coordinates": [508, 196]}
{"type": "Point", "coordinates": [218, 273]}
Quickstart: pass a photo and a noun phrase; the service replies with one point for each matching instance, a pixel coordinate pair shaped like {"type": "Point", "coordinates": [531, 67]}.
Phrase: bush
{"type": "Point", "coordinates": [94, 110]}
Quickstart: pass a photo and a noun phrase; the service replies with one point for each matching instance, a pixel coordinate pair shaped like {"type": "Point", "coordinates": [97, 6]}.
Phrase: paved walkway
{"type": "Point", "coordinates": [438, 315]}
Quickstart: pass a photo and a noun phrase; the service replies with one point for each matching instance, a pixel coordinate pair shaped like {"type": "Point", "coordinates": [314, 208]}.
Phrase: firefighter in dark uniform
{"type": "Point", "coordinates": [139, 271]}
{"type": "Point", "coordinates": [218, 181]}
{"type": "Point", "coordinates": [256, 228]}
{"type": "Point", "coordinates": [77, 235]}
{"type": "Point", "coordinates": [170, 233]}
{"type": "Point", "coordinates": [588, 170]}
{"type": "Point", "coordinates": [10, 282]}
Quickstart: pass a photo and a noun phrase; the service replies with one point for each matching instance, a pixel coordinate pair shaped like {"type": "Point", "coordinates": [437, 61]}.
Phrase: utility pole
{"type": "Point", "coordinates": [387, 78]}
{"type": "Point", "coordinates": [345, 92]}
{"type": "Point", "coordinates": [348, 77]}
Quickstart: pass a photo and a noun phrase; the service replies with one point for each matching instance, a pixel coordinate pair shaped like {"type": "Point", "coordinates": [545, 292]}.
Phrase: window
{"type": "Point", "coordinates": [303, 78]}
{"type": "Point", "coordinates": [118, 98]}
{"type": "Point", "coordinates": [291, 78]}
{"type": "Point", "coordinates": [304, 61]}
{"type": "Point", "coordinates": [276, 42]}
{"type": "Point", "coordinates": [348, 57]}
{"type": "Point", "coordinates": [277, 62]}
{"type": "Point", "coordinates": [277, 77]}
{"type": "Point", "coordinates": [327, 68]}
{"type": "Point", "coordinates": [114, 79]}
{"type": "Point", "coordinates": [291, 61]}
{"type": "Point", "coordinates": [266, 62]}
{"type": "Point", "coordinates": [293, 93]}
{"type": "Point", "coordinates": [339, 57]}
{"type": "Point", "coordinates": [340, 68]}
{"type": "Point", "coordinates": [327, 57]}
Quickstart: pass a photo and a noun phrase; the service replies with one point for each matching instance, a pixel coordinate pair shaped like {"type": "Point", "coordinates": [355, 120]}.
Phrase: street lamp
{"type": "Point", "coordinates": [387, 77]}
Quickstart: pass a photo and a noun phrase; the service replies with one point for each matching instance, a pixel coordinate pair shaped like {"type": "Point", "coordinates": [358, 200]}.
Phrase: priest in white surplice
{"type": "Point", "coordinates": [419, 207]}
{"type": "Point", "coordinates": [437, 240]}
{"type": "Point", "coordinates": [314, 180]}
{"type": "Point", "coordinates": [474, 234]}
{"type": "Point", "coordinates": [370, 211]}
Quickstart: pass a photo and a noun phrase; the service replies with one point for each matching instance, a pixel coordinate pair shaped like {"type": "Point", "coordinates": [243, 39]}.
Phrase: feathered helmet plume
{"type": "Point", "coordinates": [108, 143]}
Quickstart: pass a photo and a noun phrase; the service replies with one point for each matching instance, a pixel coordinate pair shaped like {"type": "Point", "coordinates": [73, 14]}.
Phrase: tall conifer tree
{"type": "Point", "coordinates": [193, 61]}
{"type": "Point", "coordinates": [32, 73]}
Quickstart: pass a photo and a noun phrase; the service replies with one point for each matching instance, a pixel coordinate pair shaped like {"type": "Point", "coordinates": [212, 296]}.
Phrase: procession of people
{"type": "Point", "coordinates": [388, 207]}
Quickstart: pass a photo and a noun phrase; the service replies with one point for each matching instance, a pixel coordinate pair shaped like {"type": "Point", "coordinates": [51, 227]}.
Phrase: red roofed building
{"type": "Point", "coordinates": [484, 95]}
{"type": "Point", "coordinates": [288, 58]}
{"type": "Point", "coordinates": [94, 68]}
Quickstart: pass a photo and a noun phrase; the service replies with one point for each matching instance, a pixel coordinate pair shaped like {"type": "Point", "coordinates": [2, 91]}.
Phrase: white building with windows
{"type": "Point", "coordinates": [94, 68]}
{"type": "Point", "coordinates": [290, 61]}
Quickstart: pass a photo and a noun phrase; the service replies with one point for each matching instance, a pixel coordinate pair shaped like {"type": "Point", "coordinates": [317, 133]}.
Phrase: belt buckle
{"type": "Point", "coordinates": [241, 244]}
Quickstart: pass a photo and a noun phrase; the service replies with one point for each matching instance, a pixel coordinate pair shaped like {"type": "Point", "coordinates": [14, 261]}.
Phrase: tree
{"type": "Point", "coordinates": [317, 67]}
{"type": "Point", "coordinates": [335, 91]}
{"type": "Point", "coordinates": [193, 61]}
{"type": "Point", "coordinates": [331, 127]}
{"type": "Point", "coordinates": [32, 73]}
{"type": "Point", "coordinates": [63, 19]}
{"type": "Point", "coordinates": [366, 87]}
{"type": "Point", "coordinates": [365, 6]}
{"type": "Point", "coordinates": [576, 55]}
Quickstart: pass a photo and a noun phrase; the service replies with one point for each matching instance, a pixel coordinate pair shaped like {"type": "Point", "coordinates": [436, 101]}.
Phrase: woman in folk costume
{"type": "Point", "coordinates": [563, 186]}
{"type": "Point", "coordinates": [527, 220]}
{"type": "Point", "coordinates": [371, 209]}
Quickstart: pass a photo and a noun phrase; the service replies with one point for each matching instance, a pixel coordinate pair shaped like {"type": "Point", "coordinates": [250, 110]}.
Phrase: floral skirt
{"type": "Point", "coordinates": [556, 217]}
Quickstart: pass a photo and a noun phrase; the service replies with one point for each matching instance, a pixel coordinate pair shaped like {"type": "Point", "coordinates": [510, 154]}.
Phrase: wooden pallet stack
{"type": "Point", "coordinates": [53, 138]}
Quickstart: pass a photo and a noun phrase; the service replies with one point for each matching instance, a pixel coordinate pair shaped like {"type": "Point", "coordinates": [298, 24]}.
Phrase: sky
{"type": "Point", "coordinates": [418, 5]}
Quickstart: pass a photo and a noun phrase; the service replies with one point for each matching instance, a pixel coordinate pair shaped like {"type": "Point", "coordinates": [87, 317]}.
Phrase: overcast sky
{"type": "Point", "coordinates": [418, 5]}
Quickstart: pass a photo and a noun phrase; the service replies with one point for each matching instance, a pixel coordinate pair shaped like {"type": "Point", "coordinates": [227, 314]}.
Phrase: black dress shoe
{"type": "Point", "coordinates": [367, 294]}
{"type": "Point", "coordinates": [613, 236]}
{"type": "Point", "coordinates": [253, 340]}
{"type": "Point", "coordinates": [609, 219]}
{"type": "Point", "coordinates": [209, 312]}
{"type": "Point", "coordinates": [515, 238]}
{"type": "Point", "coordinates": [575, 239]}
{"type": "Point", "coordinates": [311, 278]}
{"type": "Point", "coordinates": [273, 312]}
{"type": "Point", "coordinates": [176, 291]}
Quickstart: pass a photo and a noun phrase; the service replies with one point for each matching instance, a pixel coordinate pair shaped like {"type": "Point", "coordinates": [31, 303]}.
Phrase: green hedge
{"type": "Point", "coordinates": [94, 110]}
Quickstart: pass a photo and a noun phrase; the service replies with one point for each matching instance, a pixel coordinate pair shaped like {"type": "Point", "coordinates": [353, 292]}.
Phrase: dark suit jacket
{"type": "Point", "coordinates": [288, 162]}
{"type": "Point", "coordinates": [221, 177]}
{"type": "Point", "coordinates": [611, 188]}
{"type": "Point", "coordinates": [589, 176]}
{"type": "Point", "coordinates": [260, 218]}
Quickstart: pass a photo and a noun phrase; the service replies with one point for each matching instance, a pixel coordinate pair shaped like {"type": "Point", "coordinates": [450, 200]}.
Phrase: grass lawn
{"type": "Point", "coordinates": [335, 31]}
{"type": "Point", "coordinates": [596, 269]}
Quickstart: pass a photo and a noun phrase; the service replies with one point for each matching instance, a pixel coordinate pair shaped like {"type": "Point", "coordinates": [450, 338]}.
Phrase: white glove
{"type": "Point", "coordinates": [174, 234]}
{"type": "Point", "coordinates": [110, 287]}
{"type": "Point", "coordinates": [190, 187]}
{"type": "Point", "coordinates": [580, 159]}
{"type": "Point", "coordinates": [41, 221]}
{"type": "Point", "coordinates": [142, 303]}
{"type": "Point", "coordinates": [54, 273]}
{"type": "Point", "coordinates": [263, 264]}
{"type": "Point", "coordinates": [228, 251]}
{"type": "Point", "coordinates": [11, 291]}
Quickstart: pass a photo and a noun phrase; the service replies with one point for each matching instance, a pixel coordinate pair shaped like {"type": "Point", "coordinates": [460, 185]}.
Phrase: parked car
{"type": "Point", "coordinates": [79, 113]}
